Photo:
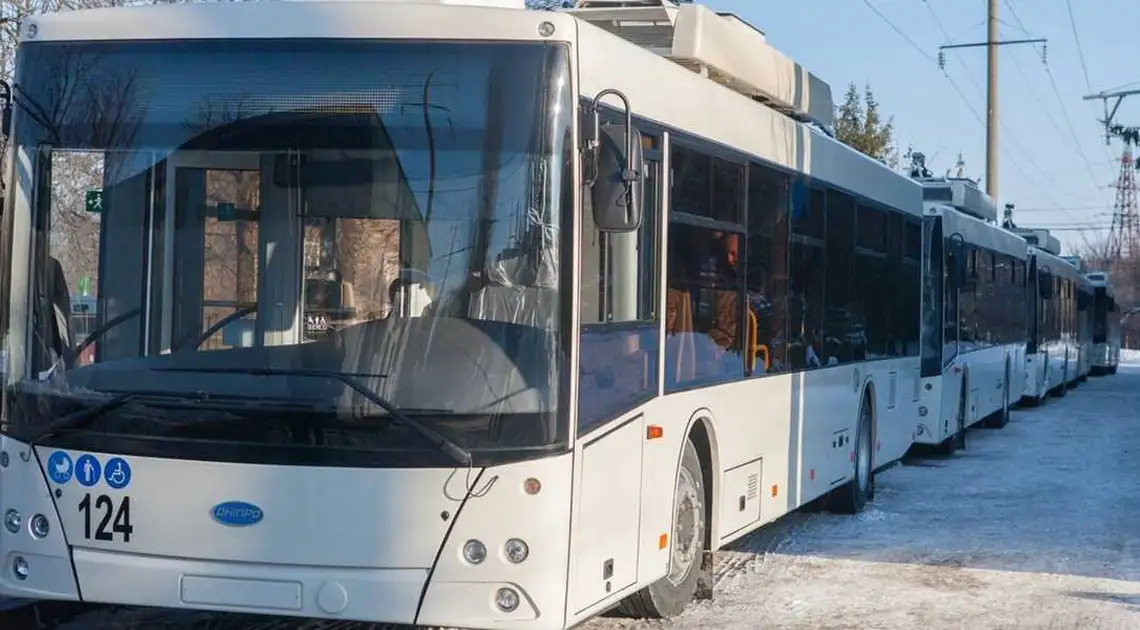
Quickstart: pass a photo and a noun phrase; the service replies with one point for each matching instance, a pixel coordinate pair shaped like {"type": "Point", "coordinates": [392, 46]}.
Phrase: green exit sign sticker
{"type": "Point", "coordinates": [94, 202]}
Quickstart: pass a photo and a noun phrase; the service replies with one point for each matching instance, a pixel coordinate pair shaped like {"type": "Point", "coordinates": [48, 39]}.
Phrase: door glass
{"type": "Point", "coordinates": [215, 283]}
{"type": "Point", "coordinates": [229, 281]}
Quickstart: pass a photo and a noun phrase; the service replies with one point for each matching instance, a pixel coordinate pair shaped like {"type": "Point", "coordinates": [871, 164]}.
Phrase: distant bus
{"type": "Point", "coordinates": [1052, 349]}
{"type": "Point", "coordinates": [974, 324]}
{"type": "Point", "coordinates": [1106, 315]}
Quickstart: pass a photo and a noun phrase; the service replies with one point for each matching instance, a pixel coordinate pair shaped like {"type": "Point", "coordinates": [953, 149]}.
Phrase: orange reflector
{"type": "Point", "coordinates": [775, 490]}
{"type": "Point", "coordinates": [812, 473]}
{"type": "Point", "coordinates": [663, 541]}
{"type": "Point", "coordinates": [654, 432]}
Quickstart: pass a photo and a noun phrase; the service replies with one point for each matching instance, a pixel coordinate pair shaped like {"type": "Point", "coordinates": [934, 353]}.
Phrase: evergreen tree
{"type": "Point", "coordinates": [859, 124]}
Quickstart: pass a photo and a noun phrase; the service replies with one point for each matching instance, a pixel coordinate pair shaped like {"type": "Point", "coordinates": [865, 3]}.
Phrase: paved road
{"type": "Point", "coordinates": [1036, 525]}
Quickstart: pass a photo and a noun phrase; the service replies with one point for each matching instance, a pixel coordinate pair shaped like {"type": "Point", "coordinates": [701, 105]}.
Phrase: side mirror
{"type": "Point", "coordinates": [615, 170]}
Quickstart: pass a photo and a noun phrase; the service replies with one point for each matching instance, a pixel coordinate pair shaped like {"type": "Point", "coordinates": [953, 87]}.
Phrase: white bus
{"type": "Point", "coordinates": [1106, 322]}
{"type": "Point", "coordinates": [1085, 302]}
{"type": "Point", "coordinates": [638, 349]}
{"type": "Point", "coordinates": [974, 324]}
{"type": "Point", "coordinates": [1053, 348]}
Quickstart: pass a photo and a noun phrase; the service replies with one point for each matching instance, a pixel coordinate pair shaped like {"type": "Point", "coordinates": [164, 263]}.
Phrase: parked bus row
{"type": "Point", "coordinates": [458, 314]}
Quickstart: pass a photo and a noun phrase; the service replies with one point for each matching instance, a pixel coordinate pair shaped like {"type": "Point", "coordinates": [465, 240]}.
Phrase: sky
{"type": "Point", "coordinates": [1054, 163]}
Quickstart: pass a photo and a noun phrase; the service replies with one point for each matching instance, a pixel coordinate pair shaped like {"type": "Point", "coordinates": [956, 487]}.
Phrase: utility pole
{"type": "Point", "coordinates": [1111, 129]}
{"type": "Point", "coordinates": [1124, 237]}
{"type": "Point", "coordinates": [992, 101]}
{"type": "Point", "coordinates": [993, 41]}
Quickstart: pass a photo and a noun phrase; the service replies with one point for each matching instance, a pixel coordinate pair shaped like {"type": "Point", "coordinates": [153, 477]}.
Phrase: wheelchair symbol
{"type": "Point", "coordinates": [117, 473]}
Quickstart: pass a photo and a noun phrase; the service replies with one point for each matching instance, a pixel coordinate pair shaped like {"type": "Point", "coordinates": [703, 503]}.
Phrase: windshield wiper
{"type": "Point", "coordinates": [453, 450]}
{"type": "Point", "coordinates": [84, 417]}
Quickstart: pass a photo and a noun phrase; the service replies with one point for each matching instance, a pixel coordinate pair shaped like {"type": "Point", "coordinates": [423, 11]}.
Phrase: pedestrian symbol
{"type": "Point", "coordinates": [87, 470]}
{"type": "Point", "coordinates": [117, 473]}
{"type": "Point", "coordinates": [59, 467]}
{"type": "Point", "coordinates": [94, 200]}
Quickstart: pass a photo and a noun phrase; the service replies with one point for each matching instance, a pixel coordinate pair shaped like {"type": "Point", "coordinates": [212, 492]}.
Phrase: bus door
{"type": "Point", "coordinates": [234, 276]}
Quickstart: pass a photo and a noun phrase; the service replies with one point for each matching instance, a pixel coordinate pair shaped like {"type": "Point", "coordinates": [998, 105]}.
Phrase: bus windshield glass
{"type": "Point", "coordinates": [225, 230]}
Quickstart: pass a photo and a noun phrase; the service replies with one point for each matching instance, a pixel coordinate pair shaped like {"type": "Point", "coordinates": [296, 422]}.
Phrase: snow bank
{"type": "Point", "coordinates": [1129, 357]}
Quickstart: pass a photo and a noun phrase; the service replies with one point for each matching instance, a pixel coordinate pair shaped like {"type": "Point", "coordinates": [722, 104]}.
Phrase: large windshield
{"type": "Point", "coordinates": [385, 210]}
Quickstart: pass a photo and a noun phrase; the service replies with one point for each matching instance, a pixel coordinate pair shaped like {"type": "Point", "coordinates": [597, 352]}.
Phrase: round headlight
{"type": "Point", "coordinates": [20, 568]}
{"type": "Point", "coordinates": [40, 526]}
{"type": "Point", "coordinates": [12, 521]}
{"type": "Point", "coordinates": [507, 599]}
{"type": "Point", "coordinates": [474, 552]}
{"type": "Point", "coordinates": [516, 550]}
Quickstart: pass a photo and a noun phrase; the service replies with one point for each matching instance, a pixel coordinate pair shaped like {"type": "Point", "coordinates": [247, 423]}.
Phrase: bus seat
{"type": "Point", "coordinates": [680, 350]}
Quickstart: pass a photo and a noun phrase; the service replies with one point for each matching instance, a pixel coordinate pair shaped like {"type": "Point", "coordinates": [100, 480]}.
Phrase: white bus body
{"type": "Point", "coordinates": [1106, 321]}
{"type": "Point", "coordinates": [1052, 355]}
{"type": "Point", "coordinates": [610, 412]}
{"type": "Point", "coordinates": [1085, 304]}
{"type": "Point", "coordinates": [974, 304]}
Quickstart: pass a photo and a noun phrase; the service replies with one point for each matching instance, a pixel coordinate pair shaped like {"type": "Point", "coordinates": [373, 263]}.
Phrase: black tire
{"type": "Point", "coordinates": [669, 596]}
{"type": "Point", "coordinates": [956, 442]}
{"type": "Point", "coordinates": [1001, 418]}
{"type": "Point", "coordinates": [853, 496]}
{"type": "Point", "coordinates": [960, 438]}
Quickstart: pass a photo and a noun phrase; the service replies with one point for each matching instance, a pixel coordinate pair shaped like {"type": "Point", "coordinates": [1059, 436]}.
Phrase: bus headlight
{"type": "Point", "coordinates": [12, 521]}
{"type": "Point", "coordinates": [40, 526]}
{"type": "Point", "coordinates": [516, 550]}
{"type": "Point", "coordinates": [507, 599]}
{"type": "Point", "coordinates": [474, 551]}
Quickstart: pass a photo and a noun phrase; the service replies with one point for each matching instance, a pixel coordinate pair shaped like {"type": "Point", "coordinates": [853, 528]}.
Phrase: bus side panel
{"type": "Point", "coordinates": [829, 400]}
{"type": "Point", "coordinates": [607, 512]}
{"type": "Point", "coordinates": [896, 384]}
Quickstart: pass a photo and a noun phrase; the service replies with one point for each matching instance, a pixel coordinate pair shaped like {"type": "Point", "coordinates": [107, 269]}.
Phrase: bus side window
{"type": "Point", "coordinates": [767, 267]}
{"type": "Point", "coordinates": [618, 308]}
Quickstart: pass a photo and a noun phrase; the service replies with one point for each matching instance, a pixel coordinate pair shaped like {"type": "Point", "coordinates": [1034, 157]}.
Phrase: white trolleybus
{"type": "Point", "coordinates": [1053, 349]}
{"type": "Point", "coordinates": [1084, 321]}
{"type": "Point", "coordinates": [1106, 322]}
{"type": "Point", "coordinates": [665, 308]}
{"type": "Point", "coordinates": [974, 325]}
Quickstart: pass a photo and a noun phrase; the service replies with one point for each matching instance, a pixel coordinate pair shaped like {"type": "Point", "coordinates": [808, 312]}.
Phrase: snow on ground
{"type": "Point", "coordinates": [1034, 526]}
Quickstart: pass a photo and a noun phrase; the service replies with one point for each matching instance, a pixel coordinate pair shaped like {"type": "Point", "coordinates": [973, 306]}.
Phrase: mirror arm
{"type": "Point", "coordinates": [594, 144]}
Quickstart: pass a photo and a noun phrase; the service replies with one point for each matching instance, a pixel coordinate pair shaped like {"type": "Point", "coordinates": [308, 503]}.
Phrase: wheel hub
{"type": "Point", "coordinates": [686, 528]}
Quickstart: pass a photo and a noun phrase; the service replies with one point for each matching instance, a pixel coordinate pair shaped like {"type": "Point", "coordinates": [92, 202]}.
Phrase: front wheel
{"type": "Point", "coordinates": [669, 596]}
{"type": "Point", "coordinates": [853, 496]}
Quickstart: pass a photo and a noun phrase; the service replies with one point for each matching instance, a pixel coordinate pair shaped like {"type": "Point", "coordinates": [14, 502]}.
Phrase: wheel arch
{"type": "Point", "coordinates": [869, 393]}
{"type": "Point", "coordinates": [701, 431]}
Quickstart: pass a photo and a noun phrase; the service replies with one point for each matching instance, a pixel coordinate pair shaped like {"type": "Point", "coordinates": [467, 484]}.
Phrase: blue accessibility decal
{"type": "Point", "coordinates": [117, 473]}
{"type": "Point", "coordinates": [87, 470]}
{"type": "Point", "coordinates": [59, 467]}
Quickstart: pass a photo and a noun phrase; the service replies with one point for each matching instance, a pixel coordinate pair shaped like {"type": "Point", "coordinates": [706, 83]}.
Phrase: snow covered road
{"type": "Point", "coordinates": [1034, 526]}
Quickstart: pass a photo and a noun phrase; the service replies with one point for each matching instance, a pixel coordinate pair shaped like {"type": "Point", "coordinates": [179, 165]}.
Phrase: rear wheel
{"type": "Point", "coordinates": [670, 595]}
